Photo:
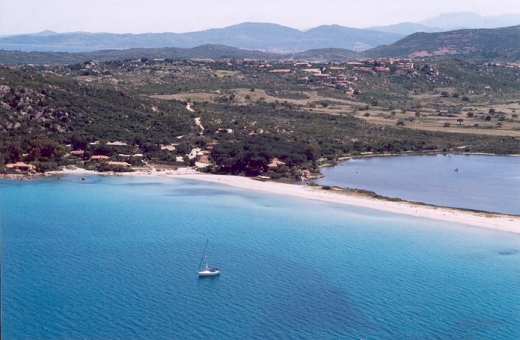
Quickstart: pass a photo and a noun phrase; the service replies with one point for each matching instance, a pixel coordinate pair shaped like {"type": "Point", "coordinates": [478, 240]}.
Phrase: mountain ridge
{"type": "Point", "coordinates": [498, 44]}
{"type": "Point", "coordinates": [259, 36]}
{"type": "Point", "coordinates": [263, 36]}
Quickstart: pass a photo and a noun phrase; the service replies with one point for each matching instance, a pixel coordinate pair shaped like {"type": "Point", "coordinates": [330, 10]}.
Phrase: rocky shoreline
{"type": "Point", "coordinates": [25, 175]}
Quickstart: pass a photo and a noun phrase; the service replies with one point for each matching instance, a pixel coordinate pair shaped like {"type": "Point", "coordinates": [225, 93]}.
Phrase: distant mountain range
{"type": "Point", "coordinates": [451, 21]}
{"type": "Point", "coordinates": [498, 44]}
{"type": "Point", "coordinates": [253, 36]}
{"type": "Point", "coordinates": [269, 41]}
{"type": "Point", "coordinates": [460, 20]}
{"type": "Point", "coordinates": [256, 36]}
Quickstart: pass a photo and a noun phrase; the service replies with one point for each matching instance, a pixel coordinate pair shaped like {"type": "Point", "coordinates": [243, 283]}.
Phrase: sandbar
{"type": "Point", "coordinates": [509, 223]}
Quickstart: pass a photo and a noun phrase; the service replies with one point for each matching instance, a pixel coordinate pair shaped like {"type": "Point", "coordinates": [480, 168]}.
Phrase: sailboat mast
{"type": "Point", "coordinates": [204, 253]}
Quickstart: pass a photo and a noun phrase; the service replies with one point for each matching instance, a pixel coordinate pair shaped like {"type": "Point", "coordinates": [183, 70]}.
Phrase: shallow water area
{"type": "Point", "coordinates": [117, 258]}
{"type": "Point", "coordinates": [478, 182]}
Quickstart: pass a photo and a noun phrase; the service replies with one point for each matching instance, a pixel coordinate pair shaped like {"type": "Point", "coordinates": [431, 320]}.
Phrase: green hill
{"type": "Point", "coordinates": [327, 54]}
{"type": "Point", "coordinates": [478, 44]}
{"type": "Point", "coordinates": [204, 51]}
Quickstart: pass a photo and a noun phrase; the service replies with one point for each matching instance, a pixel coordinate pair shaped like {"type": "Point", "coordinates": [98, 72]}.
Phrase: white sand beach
{"type": "Point", "coordinates": [479, 219]}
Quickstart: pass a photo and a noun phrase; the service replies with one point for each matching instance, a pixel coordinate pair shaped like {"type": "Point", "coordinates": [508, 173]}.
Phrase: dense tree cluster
{"type": "Point", "coordinates": [252, 156]}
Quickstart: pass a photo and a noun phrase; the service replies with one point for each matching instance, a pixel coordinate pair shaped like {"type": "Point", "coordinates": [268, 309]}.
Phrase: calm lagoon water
{"type": "Point", "coordinates": [488, 183]}
{"type": "Point", "coordinates": [116, 258]}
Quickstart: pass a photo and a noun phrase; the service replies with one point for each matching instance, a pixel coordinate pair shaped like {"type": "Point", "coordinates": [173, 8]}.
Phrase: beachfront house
{"type": "Point", "coordinates": [275, 163]}
{"type": "Point", "coordinates": [20, 166]}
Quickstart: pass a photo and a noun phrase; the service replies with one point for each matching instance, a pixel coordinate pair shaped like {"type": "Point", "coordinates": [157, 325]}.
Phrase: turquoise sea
{"type": "Point", "coordinates": [116, 258]}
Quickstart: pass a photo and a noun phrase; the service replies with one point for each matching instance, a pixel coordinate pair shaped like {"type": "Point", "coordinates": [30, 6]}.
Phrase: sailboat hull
{"type": "Point", "coordinates": [209, 272]}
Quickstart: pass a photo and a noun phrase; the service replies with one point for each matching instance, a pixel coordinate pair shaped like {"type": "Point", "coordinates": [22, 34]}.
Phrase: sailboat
{"type": "Point", "coordinates": [207, 271]}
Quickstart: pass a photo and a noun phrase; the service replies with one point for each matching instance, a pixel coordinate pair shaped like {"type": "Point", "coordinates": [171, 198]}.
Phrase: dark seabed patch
{"type": "Point", "coordinates": [198, 192]}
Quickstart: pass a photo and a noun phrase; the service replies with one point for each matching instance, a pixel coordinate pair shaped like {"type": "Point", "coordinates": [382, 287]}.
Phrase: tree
{"type": "Point", "coordinates": [45, 149]}
{"type": "Point", "coordinates": [78, 142]}
{"type": "Point", "coordinates": [14, 154]}
{"type": "Point", "coordinates": [460, 120]}
{"type": "Point", "coordinates": [138, 139]}
{"type": "Point", "coordinates": [313, 152]}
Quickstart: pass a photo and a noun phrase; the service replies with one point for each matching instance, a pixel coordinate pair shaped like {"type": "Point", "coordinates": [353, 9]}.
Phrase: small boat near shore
{"type": "Point", "coordinates": [207, 271]}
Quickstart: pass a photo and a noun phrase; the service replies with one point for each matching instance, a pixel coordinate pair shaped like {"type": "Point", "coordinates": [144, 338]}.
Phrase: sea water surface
{"type": "Point", "coordinates": [481, 182]}
{"type": "Point", "coordinates": [116, 258]}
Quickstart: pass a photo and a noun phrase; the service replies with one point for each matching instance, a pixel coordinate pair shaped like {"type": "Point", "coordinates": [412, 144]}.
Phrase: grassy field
{"type": "Point", "coordinates": [428, 119]}
{"type": "Point", "coordinates": [225, 73]}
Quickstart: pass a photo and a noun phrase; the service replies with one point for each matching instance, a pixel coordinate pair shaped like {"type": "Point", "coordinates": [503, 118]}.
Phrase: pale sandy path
{"type": "Point", "coordinates": [197, 121]}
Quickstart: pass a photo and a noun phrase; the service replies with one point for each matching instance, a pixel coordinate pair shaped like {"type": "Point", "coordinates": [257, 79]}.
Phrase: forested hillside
{"type": "Point", "coordinates": [243, 117]}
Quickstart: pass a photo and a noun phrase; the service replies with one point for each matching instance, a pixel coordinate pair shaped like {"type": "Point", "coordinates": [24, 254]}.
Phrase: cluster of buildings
{"type": "Point", "coordinates": [337, 75]}
{"type": "Point", "coordinates": [509, 65]}
{"type": "Point", "coordinates": [382, 64]}
{"type": "Point", "coordinates": [107, 159]}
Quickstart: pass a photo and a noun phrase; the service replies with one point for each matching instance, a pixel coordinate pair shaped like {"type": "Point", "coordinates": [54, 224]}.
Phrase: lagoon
{"type": "Point", "coordinates": [487, 183]}
{"type": "Point", "coordinates": [117, 258]}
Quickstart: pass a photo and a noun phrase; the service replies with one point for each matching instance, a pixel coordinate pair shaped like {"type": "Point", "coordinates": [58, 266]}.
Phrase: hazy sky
{"type": "Point", "coordinates": [140, 16]}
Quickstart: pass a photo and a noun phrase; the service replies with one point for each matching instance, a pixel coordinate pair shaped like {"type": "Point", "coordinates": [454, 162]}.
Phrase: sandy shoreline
{"type": "Point", "coordinates": [479, 219]}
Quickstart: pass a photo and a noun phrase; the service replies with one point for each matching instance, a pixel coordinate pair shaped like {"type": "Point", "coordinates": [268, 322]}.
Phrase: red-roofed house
{"type": "Point", "coordinates": [20, 166]}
